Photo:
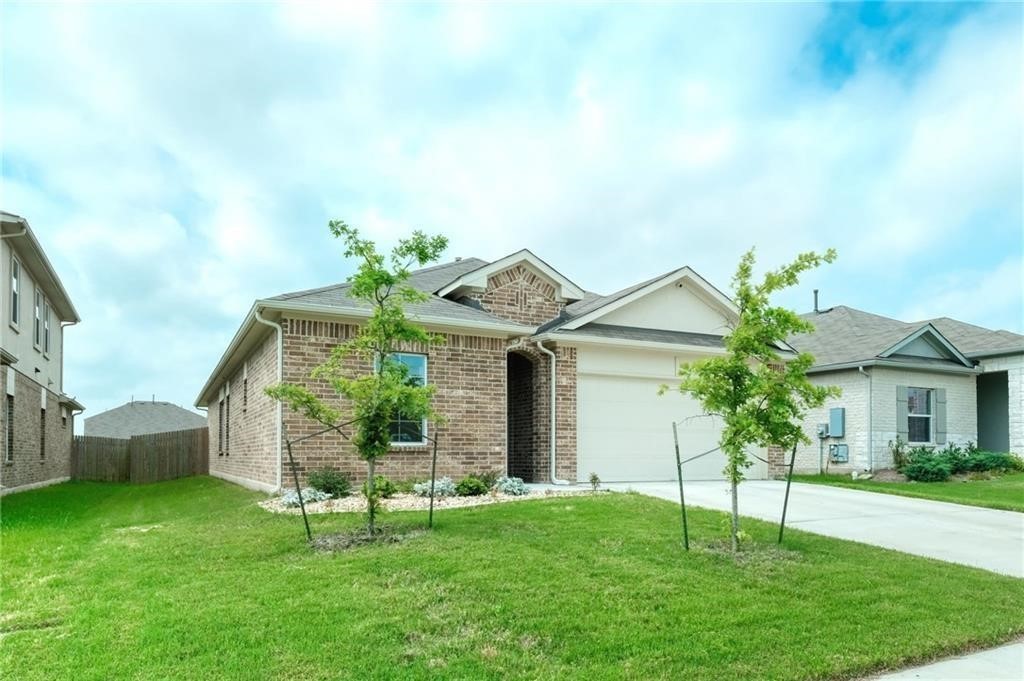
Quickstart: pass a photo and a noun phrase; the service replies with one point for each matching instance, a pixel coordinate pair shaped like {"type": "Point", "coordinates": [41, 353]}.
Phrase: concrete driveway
{"type": "Point", "coordinates": [980, 537]}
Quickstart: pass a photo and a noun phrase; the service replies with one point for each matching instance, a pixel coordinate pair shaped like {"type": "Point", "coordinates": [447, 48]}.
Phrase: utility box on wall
{"type": "Point", "coordinates": [837, 422]}
{"type": "Point", "coordinates": [839, 453]}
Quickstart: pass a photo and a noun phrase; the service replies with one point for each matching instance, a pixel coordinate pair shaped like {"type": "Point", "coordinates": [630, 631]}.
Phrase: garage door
{"type": "Point", "coordinates": [625, 432]}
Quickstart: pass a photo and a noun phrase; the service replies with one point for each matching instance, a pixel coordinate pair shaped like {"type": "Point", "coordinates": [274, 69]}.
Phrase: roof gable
{"type": "Point", "coordinates": [476, 280]}
{"type": "Point", "coordinates": [926, 342]}
{"type": "Point", "coordinates": [714, 307]}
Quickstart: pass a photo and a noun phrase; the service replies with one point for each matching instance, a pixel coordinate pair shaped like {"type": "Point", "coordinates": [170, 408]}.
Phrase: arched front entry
{"type": "Point", "coordinates": [527, 415]}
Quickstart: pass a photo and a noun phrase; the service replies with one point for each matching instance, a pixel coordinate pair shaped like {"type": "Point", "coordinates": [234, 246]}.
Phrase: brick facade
{"type": "Point", "coordinates": [469, 373]}
{"type": "Point", "coordinates": [495, 404]}
{"type": "Point", "coordinates": [521, 296]}
{"type": "Point", "coordinates": [250, 422]}
{"type": "Point", "coordinates": [28, 466]}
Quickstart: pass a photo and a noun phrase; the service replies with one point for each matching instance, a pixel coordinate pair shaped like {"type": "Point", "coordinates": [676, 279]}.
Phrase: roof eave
{"type": "Point", "coordinates": [892, 364]}
{"type": "Point", "coordinates": [935, 333]}
{"type": "Point", "coordinates": [284, 306]}
{"type": "Point", "coordinates": [584, 339]}
{"type": "Point", "coordinates": [570, 291]}
{"type": "Point", "coordinates": [982, 354]}
{"type": "Point", "coordinates": [633, 296]}
{"type": "Point", "coordinates": [62, 304]}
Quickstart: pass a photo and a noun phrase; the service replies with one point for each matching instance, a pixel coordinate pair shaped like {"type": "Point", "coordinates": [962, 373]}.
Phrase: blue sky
{"type": "Point", "coordinates": [179, 161]}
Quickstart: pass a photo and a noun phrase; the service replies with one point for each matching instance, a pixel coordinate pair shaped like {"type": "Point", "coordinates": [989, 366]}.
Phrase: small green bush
{"type": "Point", "coordinates": [471, 486]}
{"type": "Point", "coordinates": [923, 466]}
{"type": "Point", "coordinates": [512, 486]}
{"type": "Point", "coordinates": [490, 478]}
{"type": "Point", "coordinates": [443, 487]}
{"type": "Point", "coordinates": [331, 481]}
{"type": "Point", "coordinates": [384, 488]}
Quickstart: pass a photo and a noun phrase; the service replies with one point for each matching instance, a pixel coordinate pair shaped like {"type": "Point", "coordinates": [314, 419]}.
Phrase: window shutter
{"type": "Point", "coordinates": [902, 431]}
{"type": "Point", "coordinates": [940, 416]}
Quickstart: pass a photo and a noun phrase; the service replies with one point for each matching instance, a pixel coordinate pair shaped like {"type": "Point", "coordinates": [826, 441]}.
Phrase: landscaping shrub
{"type": "Point", "coordinates": [512, 486]}
{"type": "Point", "coordinates": [331, 481]}
{"type": "Point", "coordinates": [490, 478]}
{"type": "Point", "coordinates": [309, 495]}
{"type": "Point", "coordinates": [384, 488]}
{"type": "Point", "coordinates": [471, 486]}
{"type": "Point", "coordinates": [405, 486]}
{"type": "Point", "coordinates": [898, 448]}
{"type": "Point", "coordinates": [924, 466]}
{"type": "Point", "coordinates": [443, 487]}
{"type": "Point", "coordinates": [993, 461]}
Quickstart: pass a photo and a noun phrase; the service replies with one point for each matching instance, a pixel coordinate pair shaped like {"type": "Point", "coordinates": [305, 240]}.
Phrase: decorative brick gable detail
{"type": "Point", "coordinates": [521, 296]}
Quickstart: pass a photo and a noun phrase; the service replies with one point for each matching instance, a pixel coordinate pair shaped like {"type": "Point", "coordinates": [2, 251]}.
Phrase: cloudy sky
{"type": "Point", "coordinates": [179, 161]}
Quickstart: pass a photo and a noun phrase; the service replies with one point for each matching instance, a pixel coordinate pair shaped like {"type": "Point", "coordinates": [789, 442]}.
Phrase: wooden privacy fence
{"type": "Point", "coordinates": [142, 458]}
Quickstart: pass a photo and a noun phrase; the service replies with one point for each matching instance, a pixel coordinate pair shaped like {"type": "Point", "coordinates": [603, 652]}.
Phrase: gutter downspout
{"type": "Point", "coordinates": [60, 376]}
{"type": "Point", "coordinates": [554, 476]}
{"type": "Point", "coordinates": [871, 407]}
{"type": "Point", "coordinates": [280, 378]}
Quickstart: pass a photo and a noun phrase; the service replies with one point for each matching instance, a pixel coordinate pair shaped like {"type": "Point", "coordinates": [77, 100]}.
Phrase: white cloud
{"type": "Point", "coordinates": [181, 162]}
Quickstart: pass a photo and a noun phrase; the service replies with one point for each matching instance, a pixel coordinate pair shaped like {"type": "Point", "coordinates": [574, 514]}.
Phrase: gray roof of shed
{"type": "Point", "coordinates": [142, 418]}
{"type": "Point", "coordinates": [844, 334]}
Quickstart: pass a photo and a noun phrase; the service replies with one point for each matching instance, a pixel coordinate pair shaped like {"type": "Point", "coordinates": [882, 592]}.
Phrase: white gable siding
{"type": "Point", "coordinates": [672, 307]}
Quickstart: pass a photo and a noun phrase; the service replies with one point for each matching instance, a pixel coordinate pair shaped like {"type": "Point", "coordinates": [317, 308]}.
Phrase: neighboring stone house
{"type": "Point", "coordinates": [142, 418]}
{"type": "Point", "coordinates": [37, 418]}
{"type": "Point", "coordinates": [929, 383]}
{"type": "Point", "coordinates": [537, 378]}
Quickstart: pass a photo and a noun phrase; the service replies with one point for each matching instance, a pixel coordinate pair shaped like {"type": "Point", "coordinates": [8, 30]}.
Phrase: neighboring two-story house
{"type": "Point", "coordinates": [538, 378]}
{"type": "Point", "coordinates": [37, 418]}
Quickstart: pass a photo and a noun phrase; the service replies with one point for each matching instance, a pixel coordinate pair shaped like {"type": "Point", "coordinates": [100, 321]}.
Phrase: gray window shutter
{"type": "Point", "coordinates": [940, 416]}
{"type": "Point", "coordinates": [902, 429]}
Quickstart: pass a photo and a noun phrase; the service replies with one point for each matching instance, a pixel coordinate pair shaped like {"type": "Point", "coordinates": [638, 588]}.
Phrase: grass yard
{"type": "Point", "coordinates": [1005, 492]}
{"type": "Point", "coordinates": [190, 579]}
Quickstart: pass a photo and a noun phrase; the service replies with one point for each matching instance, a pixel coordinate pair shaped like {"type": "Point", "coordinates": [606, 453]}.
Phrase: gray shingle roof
{"type": "Point", "coordinates": [844, 334]}
{"type": "Point", "coordinates": [428, 280]}
{"type": "Point", "coordinates": [141, 418]}
{"type": "Point", "coordinates": [649, 335]}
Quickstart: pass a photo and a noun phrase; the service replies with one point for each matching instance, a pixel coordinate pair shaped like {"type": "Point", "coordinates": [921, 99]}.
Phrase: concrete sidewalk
{"type": "Point", "coordinates": [979, 537]}
{"type": "Point", "coordinates": [1005, 662]}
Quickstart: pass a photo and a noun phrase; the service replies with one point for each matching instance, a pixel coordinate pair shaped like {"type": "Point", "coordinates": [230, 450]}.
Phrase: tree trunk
{"type": "Point", "coordinates": [735, 517]}
{"type": "Point", "coordinates": [371, 497]}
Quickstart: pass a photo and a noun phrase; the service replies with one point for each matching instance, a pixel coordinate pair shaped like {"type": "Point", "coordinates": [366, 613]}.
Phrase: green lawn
{"type": "Point", "coordinates": [190, 579]}
{"type": "Point", "coordinates": [1005, 492]}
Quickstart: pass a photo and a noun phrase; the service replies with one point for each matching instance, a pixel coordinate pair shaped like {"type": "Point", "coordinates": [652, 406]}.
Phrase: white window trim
{"type": "Point", "coordinates": [47, 310]}
{"type": "Point", "coordinates": [37, 319]}
{"type": "Point", "coordinates": [16, 288]}
{"type": "Point", "coordinates": [426, 381]}
{"type": "Point", "coordinates": [930, 442]}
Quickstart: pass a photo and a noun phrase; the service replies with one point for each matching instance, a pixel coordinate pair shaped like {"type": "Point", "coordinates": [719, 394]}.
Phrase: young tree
{"type": "Point", "coordinates": [760, 399]}
{"type": "Point", "coordinates": [378, 396]}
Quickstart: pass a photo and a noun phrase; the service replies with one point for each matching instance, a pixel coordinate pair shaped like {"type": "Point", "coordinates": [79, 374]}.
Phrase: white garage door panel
{"type": "Point", "coordinates": [625, 432]}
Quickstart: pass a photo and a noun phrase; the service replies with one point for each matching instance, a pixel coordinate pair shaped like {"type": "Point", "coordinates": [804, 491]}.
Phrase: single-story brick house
{"type": "Point", "coordinates": [930, 383]}
{"type": "Point", "coordinates": [538, 378]}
